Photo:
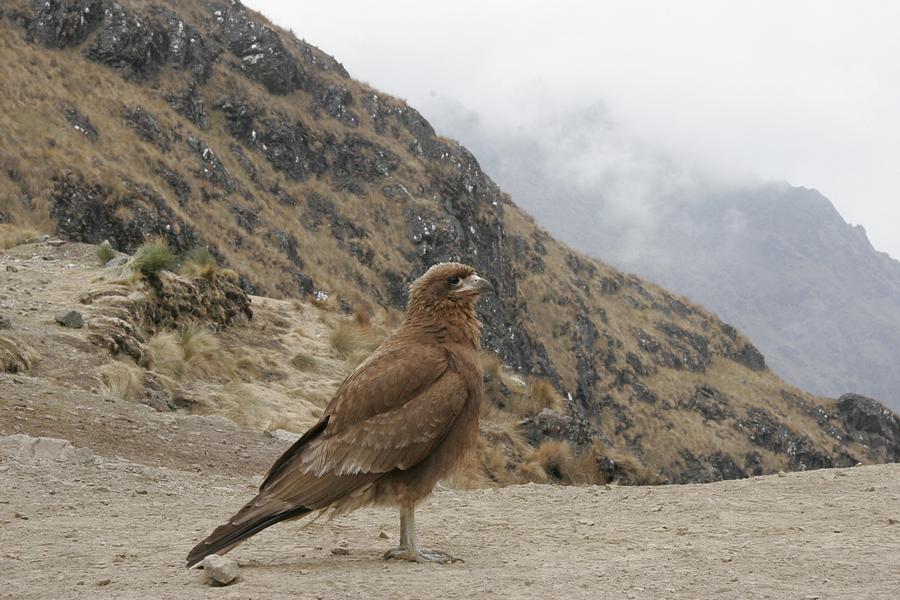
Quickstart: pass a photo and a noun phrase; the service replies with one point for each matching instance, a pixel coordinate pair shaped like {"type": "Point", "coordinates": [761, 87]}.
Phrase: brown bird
{"type": "Point", "coordinates": [403, 420]}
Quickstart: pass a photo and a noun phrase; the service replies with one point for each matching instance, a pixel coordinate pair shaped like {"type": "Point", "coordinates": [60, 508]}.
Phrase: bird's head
{"type": "Point", "coordinates": [447, 286]}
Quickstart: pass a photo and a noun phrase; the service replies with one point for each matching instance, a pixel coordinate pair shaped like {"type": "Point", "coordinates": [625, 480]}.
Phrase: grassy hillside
{"type": "Point", "coordinates": [211, 127]}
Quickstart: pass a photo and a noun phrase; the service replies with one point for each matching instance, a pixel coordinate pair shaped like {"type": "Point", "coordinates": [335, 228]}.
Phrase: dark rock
{"type": "Point", "coordinates": [358, 160]}
{"type": "Point", "coordinates": [643, 393]}
{"type": "Point", "coordinates": [5, 323]}
{"type": "Point", "coordinates": [335, 101]}
{"type": "Point", "coordinates": [239, 118]}
{"type": "Point", "coordinates": [750, 357]}
{"type": "Point", "coordinates": [175, 181]}
{"type": "Point", "coordinates": [871, 423]}
{"type": "Point", "coordinates": [92, 214]}
{"type": "Point", "coordinates": [61, 23]}
{"type": "Point", "coordinates": [247, 165]}
{"type": "Point", "coordinates": [133, 45]}
{"type": "Point", "coordinates": [70, 318]}
{"type": "Point", "coordinates": [211, 167]}
{"type": "Point", "coordinates": [81, 123]}
{"type": "Point", "coordinates": [753, 462]}
{"type": "Point", "coordinates": [553, 425]}
{"type": "Point", "coordinates": [187, 49]}
{"type": "Point", "coordinates": [189, 103]}
{"type": "Point", "coordinates": [694, 356]}
{"type": "Point", "coordinates": [766, 431]}
{"type": "Point", "coordinates": [717, 466]}
{"type": "Point", "coordinates": [292, 150]}
{"type": "Point", "coordinates": [259, 50]}
{"type": "Point", "coordinates": [144, 124]}
{"type": "Point", "coordinates": [710, 402]}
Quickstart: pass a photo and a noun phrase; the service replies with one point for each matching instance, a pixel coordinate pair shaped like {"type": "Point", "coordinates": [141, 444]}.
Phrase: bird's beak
{"type": "Point", "coordinates": [480, 285]}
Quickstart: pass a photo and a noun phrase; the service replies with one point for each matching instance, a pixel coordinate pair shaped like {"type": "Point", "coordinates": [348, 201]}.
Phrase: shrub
{"type": "Point", "coordinates": [554, 457]}
{"type": "Point", "coordinates": [105, 253]}
{"type": "Point", "coordinates": [13, 235]}
{"type": "Point", "coordinates": [122, 380]}
{"type": "Point", "coordinates": [152, 257]}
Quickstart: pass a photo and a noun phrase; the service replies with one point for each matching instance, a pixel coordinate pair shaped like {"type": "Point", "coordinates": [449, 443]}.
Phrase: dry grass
{"type": "Point", "coordinates": [105, 253]}
{"type": "Point", "coordinates": [14, 235]}
{"type": "Point", "coordinates": [303, 361]}
{"type": "Point", "coordinates": [152, 257]}
{"type": "Point", "coordinates": [164, 355]}
{"type": "Point", "coordinates": [203, 354]}
{"type": "Point", "coordinates": [347, 339]}
{"type": "Point", "coordinates": [554, 458]}
{"type": "Point", "coordinates": [16, 356]}
{"type": "Point", "coordinates": [122, 380]}
{"type": "Point", "coordinates": [198, 262]}
{"type": "Point", "coordinates": [539, 395]}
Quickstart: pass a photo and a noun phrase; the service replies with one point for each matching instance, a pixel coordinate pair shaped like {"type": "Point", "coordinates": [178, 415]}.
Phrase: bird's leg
{"type": "Point", "coordinates": [408, 549]}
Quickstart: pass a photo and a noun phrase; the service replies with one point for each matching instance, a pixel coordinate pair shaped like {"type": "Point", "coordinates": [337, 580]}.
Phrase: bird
{"type": "Point", "coordinates": [404, 419]}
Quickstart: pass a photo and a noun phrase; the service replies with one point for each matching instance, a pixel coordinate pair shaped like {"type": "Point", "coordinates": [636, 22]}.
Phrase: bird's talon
{"type": "Point", "coordinates": [423, 555]}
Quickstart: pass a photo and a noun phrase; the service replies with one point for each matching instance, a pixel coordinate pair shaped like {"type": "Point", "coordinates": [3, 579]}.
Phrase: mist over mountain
{"type": "Point", "coordinates": [776, 260]}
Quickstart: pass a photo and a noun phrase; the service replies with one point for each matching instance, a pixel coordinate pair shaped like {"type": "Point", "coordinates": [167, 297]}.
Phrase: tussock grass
{"type": "Point", "coordinates": [554, 458]}
{"type": "Point", "coordinates": [14, 235]}
{"type": "Point", "coordinates": [198, 262]}
{"type": "Point", "coordinates": [163, 354]}
{"type": "Point", "coordinates": [539, 394]}
{"type": "Point", "coordinates": [191, 353]}
{"type": "Point", "coordinates": [105, 252]}
{"type": "Point", "coordinates": [153, 256]}
{"type": "Point", "coordinates": [16, 356]}
{"type": "Point", "coordinates": [121, 380]}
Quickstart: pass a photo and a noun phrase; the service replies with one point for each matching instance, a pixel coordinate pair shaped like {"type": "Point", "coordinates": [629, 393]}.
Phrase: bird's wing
{"type": "Point", "coordinates": [390, 413]}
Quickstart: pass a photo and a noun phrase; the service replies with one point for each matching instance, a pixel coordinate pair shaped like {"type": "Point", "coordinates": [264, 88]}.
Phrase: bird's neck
{"type": "Point", "coordinates": [451, 321]}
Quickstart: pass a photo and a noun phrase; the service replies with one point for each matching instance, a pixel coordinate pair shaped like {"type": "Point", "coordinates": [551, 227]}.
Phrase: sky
{"type": "Point", "coordinates": [803, 92]}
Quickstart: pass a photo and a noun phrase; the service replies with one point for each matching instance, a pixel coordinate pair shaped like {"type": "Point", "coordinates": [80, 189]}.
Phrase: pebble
{"type": "Point", "coordinates": [5, 323]}
{"type": "Point", "coordinates": [219, 570]}
{"type": "Point", "coordinates": [340, 551]}
{"type": "Point", "coordinates": [893, 520]}
{"type": "Point", "coordinates": [585, 522]}
{"type": "Point", "coordinates": [384, 536]}
{"type": "Point", "coordinates": [781, 473]}
{"type": "Point", "coordinates": [103, 582]}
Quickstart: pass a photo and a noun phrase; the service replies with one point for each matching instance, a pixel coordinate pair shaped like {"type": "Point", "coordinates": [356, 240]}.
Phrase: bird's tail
{"type": "Point", "coordinates": [236, 530]}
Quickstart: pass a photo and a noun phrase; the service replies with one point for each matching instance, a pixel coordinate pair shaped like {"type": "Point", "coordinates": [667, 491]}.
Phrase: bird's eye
{"type": "Point", "coordinates": [453, 281]}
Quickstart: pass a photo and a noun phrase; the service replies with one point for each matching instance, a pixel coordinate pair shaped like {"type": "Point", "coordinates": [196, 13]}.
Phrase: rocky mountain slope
{"type": "Point", "coordinates": [211, 127]}
{"type": "Point", "coordinates": [775, 260]}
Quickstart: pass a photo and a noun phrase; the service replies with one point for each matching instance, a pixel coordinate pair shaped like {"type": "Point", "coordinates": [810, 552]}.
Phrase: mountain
{"type": "Point", "coordinates": [210, 127]}
{"type": "Point", "coordinates": [775, 260]}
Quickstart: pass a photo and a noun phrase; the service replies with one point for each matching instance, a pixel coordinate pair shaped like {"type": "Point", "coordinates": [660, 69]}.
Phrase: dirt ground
{"type": "Point", "coordinates": [120, 529]}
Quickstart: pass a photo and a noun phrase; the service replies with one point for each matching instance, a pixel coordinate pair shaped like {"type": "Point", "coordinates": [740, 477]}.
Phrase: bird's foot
{"type": "Point", "coordinates": [420, 555]}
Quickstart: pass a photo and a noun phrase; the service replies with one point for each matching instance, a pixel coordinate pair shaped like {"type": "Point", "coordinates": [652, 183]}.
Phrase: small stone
{"type": "Point", "coordinates": [284, 435]}
{"type": "Point", "coordinates": [383, 535]}
{"type": "Point", "coordinates": [340, 551]}
{"type": "Point", "coordinates": [781, 474]}
{"type": "Point", "coordinates": [48, 258]}
{"type": "Point", "coordinates": [21, 516]}
{"type": "Point", "coordinates": [585, 522]}
{"type": "Point", "coordinates": [117, 261]}
{"type": "Point", "coordinates": [219, 570]}
{"type": "Point", "coordinates": [70, 318]}
{"type": "Point", "coordinates": [104, 582]}
{"type": "Point", "coordinates": [607, 487]}
{"type": "Point", "coordinates": [56, 243]}
{"type": "Point", "coordinates": [12, 268]}
{"type": "Point", "coordinates": [657, 508]}
{"type": "Point", "coordinates": [893, 520]}
{"type": "Point", "coordinates": [5, 323]}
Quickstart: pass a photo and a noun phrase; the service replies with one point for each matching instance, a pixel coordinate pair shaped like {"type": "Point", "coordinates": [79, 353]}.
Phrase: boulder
{"type": "Point", "coordinates": [871, 423]}
{"type": "Point", "coordinates": [70, 318]}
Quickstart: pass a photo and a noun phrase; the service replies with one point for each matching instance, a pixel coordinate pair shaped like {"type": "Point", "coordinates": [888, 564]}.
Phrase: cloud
{"type": "Point", "coordinates": [807, 91]}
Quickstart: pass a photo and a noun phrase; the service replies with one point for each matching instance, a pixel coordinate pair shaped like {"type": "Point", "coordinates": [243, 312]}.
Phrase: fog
{"type": "Point", "coordinates": [647, 99]}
